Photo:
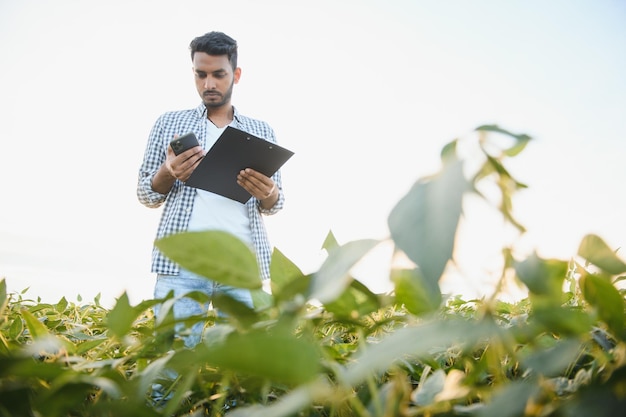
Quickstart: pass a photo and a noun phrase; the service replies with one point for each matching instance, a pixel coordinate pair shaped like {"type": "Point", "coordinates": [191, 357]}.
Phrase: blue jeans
{"type": "Point", "coordinates": [184, 307]}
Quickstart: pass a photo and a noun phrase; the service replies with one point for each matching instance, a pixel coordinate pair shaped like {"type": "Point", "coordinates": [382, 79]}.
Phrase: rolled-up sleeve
{"type": "Point", "coordinates": [153, 159]}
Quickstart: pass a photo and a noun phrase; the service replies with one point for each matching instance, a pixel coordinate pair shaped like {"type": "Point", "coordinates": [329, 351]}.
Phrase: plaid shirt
{"type": "Point", "coordinates": [180, 200]}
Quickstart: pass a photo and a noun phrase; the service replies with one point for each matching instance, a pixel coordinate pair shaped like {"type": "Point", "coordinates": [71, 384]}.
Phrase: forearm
{"type": "Point", "coordinates": [163, 180]}
{"type": "Point", "coordinates": [269, 202]}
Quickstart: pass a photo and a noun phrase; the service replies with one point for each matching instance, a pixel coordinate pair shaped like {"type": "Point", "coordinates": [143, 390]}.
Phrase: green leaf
{"type": "Point", "coordinates": [505, 183]}
{"type": "Point", "coordinates": [87, 345]}
{"type": "Point", "coordinates": [36, 328]}
{"type": "Point", "coordinates": [295, 289]}
{"type": "Point", "coordinates": [562, 320]}
{"type": "Point", "coordinates": [598, 400]}
{"type": "Point", "coordinates": [288, 405]}
{"type": "Point", "coordinates": [520, 145]}
{"type": "Point", "coordinates": [27, 368]}
{"type": "Point", "coordinates": [66, 391]}
{"type": "Point", "coordinates": [121, 318]}
{"type": "Point", "coordinates": [542, 277]}
{"type": "Point", "coordinates": [17, 401]}
{"type": "Point", "coordinates": [418, 295]}
{"type": "Point", "coordinates": [521, 140]}
{"type": "Point", "coordinates": [61, 305]}
{"type": "Point", "coordinates": [282, 271]}
{"type": "Point", "coordinates": [155, 369]}
{"type": "Point", "coordinates": [417, 340]}
{"type": "Point", "coordinates": [16, 329]}
{"type": "Point", "coordinates": [601, 294]}
{"type": "Point", "coordinates": [277, 355]}
{"type": "Point", "coordinates": [3, 298]}
{"type": "Point", "coordinates": [354, 303]}
{"type": "Point", "coordinates": [426, 391]}
{"type": "Point", "coordinates": [596, 251]}
{"type": "Point", "coordinates": [333, 276]}
{"type": "Point", "coordinates": [330, 242]}
{"type": "Point", "coordinates": [552, 362]}
{"type": "Point", "coordinates": [506, 179]}
{"type": "Point", "coordinates": [424, 222]}
{"type": "Point", "coordinates": [235, 310]}
{"type": "Point", "coordinates": [448, 152]}
{"type": "Point", "coordinates": [261, 299]}
{"type": "Point", "coordinates": [85, 383]}
{"type": "Point", "coordinates": [182, 390]}
{"type": "Point", "coordinates": [216, 255]}
{"type": "Point", "coordinates": [510, 400]}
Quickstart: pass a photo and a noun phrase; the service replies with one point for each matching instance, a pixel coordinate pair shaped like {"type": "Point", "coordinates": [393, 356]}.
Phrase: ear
{"type": "Point", "coordinates": [237, 75]}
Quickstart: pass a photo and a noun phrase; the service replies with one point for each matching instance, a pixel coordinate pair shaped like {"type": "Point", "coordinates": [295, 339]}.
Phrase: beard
{"type": "Point", "coordinates": [208, 97]}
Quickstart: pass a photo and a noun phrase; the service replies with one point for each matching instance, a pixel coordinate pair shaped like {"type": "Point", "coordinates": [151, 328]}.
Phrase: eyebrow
{"type": "Point", "coordinates": [217, 71]}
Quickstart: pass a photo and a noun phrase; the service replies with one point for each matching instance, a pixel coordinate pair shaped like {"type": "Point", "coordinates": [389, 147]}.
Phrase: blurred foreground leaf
{"type": "Point", "coordinates": [542, 276]}
{"type": "Point", "coordinates": [551, 362]}
{"type": "Point", "coordinates": [601, 294]}
{"type": "Point", "coordinates": [216, 255]}
{"type": "Point", "coordinates": [596, 251]}
{"type": "Point", "coordinates": [417, 294]}
{"type": "Point", "coordinates": [334, 276]}
{"type": "Point", "coordinates": [424, 222]}
{"type": "Point", "coordinates": [510, 400]}
{"type": "Point", "coordinates": [521, 140]}
{"type": "Point", "coordinates": [276, 355]}
{"type": "Point", "coordinates": [357, 301]}
{"type": "Point", "coordinates": [120, 319]}
{"type": "Point", "coordinates": [415, 341]}
{"type": "Point", "coordinates": [3, 298]}
{"type": "Point", "coordinates": [283, 271]}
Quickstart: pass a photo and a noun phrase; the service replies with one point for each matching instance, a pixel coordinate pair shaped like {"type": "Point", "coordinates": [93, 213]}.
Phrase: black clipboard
{"type": "Point", "coordinates": [233, 151]}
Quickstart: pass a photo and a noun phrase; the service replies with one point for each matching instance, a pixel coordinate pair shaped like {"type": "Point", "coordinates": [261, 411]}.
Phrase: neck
{"type": "Point", "coordinates": [220, 116]}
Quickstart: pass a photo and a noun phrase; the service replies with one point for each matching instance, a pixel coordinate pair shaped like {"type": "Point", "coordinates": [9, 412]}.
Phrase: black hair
{"type": "Point", "coordinates": [215, 43]}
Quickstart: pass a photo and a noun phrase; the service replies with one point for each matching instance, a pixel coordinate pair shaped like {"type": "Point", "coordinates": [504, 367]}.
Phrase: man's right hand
{"type": "Point", "coordinates": [176, 167]}
{"type": "Point", "coordinates": [181, 166]}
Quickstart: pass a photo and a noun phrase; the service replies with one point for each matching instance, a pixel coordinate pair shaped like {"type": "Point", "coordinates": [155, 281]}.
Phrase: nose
{"type": "Point", "coordinates": [209, 83]}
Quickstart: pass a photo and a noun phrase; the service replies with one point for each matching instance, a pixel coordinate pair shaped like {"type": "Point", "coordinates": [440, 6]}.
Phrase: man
{"type": "Point", "coordinates": [162, 175]}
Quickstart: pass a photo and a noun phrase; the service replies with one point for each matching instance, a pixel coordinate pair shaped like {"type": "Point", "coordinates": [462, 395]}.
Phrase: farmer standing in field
{"type": "Point", "coordinates": [162, 175]}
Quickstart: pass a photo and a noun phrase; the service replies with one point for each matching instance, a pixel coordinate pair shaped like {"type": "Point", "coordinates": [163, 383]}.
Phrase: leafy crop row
{"type": "Point", "coordinates": [323, 344]}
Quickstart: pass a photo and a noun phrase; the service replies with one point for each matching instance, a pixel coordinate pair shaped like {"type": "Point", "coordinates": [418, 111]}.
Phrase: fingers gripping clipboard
{"type": "Point", "coordinates": [233, 151]}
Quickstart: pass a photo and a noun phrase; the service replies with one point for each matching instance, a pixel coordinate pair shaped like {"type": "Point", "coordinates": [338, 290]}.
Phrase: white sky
{"type": "Point", "coordinates": [365, 92]}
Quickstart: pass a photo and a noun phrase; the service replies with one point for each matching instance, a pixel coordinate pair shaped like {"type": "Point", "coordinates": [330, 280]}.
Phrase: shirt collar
{"type": "Point", "coordinates": [201, 109]}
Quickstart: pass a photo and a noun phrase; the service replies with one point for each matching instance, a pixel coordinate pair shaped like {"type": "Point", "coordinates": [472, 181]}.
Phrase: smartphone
{"type": "Point", "coordinates": [184, 142]}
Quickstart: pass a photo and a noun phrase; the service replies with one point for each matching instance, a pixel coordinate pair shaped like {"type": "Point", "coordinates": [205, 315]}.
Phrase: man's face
{"type": "Point", "coordinates": [214, 78]}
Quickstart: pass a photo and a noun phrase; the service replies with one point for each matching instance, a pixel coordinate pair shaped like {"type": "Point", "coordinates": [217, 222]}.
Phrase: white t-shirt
{"type": "Point", "coordinates": [213, 212]}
